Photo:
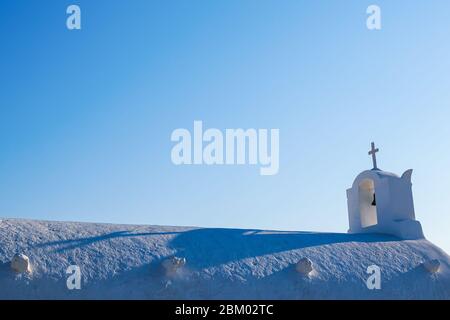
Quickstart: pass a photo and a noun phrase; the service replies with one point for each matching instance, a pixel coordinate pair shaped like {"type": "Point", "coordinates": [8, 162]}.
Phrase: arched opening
{"type": "Point", "coordinates": [367, 203]}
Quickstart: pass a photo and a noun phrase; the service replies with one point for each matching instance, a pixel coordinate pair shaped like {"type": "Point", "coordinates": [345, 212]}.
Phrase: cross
{"type": "Point", "coordinates": [373, 154]}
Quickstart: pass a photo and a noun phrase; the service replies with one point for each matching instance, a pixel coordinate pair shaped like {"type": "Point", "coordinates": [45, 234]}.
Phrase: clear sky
{"type": "Point", "coordinates": [86, 115]}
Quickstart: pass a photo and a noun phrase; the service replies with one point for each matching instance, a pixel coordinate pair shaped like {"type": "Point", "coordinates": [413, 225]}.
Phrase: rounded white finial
{"type": "Point", "coordinates": [304, 266]}
{"type": "Point", "coordinates": [20, 263]}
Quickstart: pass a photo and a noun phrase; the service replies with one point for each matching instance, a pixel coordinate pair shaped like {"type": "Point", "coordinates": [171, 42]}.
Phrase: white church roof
{"type": "Point", "coordinates": [126, 262]}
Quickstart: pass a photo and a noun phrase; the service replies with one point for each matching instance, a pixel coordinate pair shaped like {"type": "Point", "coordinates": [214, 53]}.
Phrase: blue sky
{"type": "Point", "coordinates": [86, 116]}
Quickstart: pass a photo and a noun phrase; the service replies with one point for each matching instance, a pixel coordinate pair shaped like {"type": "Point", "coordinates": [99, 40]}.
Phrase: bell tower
{"type": "Point", "coordinates": [382, 202]}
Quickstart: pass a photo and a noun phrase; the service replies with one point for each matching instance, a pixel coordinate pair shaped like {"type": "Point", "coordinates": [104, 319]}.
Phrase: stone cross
{"type": "Point", "coordinates": [373, 152]}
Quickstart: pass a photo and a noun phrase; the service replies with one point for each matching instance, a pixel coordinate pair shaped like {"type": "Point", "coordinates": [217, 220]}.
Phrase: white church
{"type": "Point", "coordinates": [40, 259]}
{"type": "Point", "coordinates": [382, 202]}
